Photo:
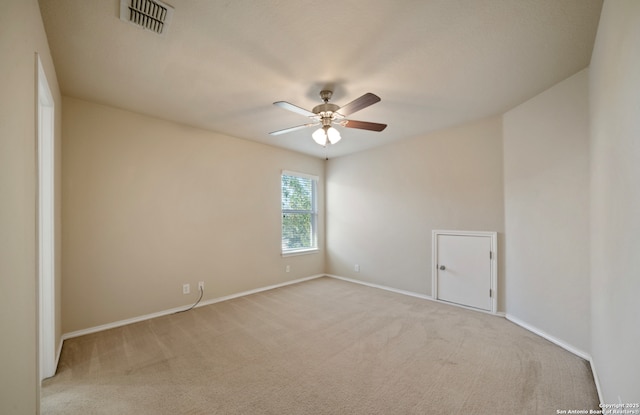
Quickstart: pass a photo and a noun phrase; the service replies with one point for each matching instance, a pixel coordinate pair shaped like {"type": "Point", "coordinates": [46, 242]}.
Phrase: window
{"type": "Point", "coordinates": [299, 212]}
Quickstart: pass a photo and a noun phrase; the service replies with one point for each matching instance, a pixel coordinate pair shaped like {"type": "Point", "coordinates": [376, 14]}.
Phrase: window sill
{"type": "Point", "coordinates": [301, 252]}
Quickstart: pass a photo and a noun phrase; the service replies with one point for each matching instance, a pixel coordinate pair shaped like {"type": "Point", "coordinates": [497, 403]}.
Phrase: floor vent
{"type": "Point", "coordinates": [152, 15]}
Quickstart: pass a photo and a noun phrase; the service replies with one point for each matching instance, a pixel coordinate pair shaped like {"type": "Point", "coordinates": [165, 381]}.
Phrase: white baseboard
{"type": "Point", "coordinates": [383, 287]}
{"type": "Point", "coordinates": [578, 352]}
{"type": "Point", "coordinates": [413, 294]}
{"type": "Point", "coordinates": [596, 379]}
{"type": "Point", "coordinates": [257, 290]}
{"type": "Point", "coordinates": [121, 323]}
{"type": "Point", "coordinates": [515, 320]}
{"type": "Point", "coordinates": [59, 351]}
{"type": "Point", "coordinates": [552, 339]}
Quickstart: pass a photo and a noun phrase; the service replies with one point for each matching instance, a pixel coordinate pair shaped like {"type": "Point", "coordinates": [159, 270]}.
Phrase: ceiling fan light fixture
{"type": "Point", "coordinates": [326, 134]}
{"type": "Point", "coordinates": [333, 135]}
{"type": "Point", "coordinates": [319, 136]}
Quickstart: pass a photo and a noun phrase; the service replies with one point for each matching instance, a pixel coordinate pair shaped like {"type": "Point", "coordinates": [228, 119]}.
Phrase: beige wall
{"type": "Point", "coordinates": [382, 204]}
{"type": "Point", "coordinates": [22, 36]}
{"type": "Point", "coordinates": [150, 205]}
{"type": "Point", "coordinates": [615, 200]}
{"type": "Point", "coordinates": [546, 192]}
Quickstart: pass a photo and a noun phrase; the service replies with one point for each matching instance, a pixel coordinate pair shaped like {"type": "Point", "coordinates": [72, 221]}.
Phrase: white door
{"type": "Point", "coordinates": [464, 269]}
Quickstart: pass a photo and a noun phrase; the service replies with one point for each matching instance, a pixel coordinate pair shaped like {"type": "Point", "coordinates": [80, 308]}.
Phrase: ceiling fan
{"type": "Point", "coordinates": [327, 114]}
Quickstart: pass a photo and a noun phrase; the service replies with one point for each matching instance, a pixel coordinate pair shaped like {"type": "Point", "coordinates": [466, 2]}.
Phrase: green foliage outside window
{"type": "Point", "coordinates": [298, 213]}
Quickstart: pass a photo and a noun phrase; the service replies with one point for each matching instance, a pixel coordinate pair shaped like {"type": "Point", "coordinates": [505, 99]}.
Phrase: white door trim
{"type": "Point", "coordinates": [494, 261]}
{"type": "Point", "coordinates": [46, 231]}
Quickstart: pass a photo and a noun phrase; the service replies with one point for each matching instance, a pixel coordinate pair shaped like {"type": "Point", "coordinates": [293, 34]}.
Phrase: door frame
{"type": "Point", "coordinates": [493, 263]}
{"type": "Point", "coordinates": [46, 226]}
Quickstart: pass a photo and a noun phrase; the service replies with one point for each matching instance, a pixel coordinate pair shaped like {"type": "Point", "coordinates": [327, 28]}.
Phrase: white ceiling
{"type": "Point", "coordinates": [434, 63]}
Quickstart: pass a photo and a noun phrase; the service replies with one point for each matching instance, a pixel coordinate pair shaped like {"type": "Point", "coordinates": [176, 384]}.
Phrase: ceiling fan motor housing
{"type": "Point", "coordinates": [325, 109]}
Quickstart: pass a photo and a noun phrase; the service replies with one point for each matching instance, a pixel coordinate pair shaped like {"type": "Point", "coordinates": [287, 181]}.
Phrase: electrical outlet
{"type": "Point", "coordinates": [287, 268]}
{"type": "Point", "coordinates": [201, 286]}
{"type": "Point", "coordinates": [357, 268]}
{"type": "Point", "coordinates": [186, 288]}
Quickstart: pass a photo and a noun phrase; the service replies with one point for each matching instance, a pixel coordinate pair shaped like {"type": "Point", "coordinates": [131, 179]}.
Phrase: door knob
{"type": "Point", "coordinates": [442, 267]}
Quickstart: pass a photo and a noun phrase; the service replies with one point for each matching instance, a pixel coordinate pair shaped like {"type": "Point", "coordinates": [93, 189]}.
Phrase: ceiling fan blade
{"type": "Point", "coordinates": [288, 130]}
{"type": "Point", "coordinates": [294, 108]}
{"type": "Point", "coordinates": [364, 125]}
{"type": "Point", "coordinates": [359, 103]}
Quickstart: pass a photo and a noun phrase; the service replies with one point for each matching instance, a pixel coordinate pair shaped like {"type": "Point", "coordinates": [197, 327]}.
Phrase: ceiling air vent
{"type": "Point", "coordinates": [152, 15]}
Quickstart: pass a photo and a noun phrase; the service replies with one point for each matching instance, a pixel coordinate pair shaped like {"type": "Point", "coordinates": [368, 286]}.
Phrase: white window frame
{"type": "Point", "coordinates": [314, 214]}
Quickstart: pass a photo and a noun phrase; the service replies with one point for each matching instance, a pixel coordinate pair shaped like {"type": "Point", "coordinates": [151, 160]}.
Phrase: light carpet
{"type": "Point", "coordinates": [323, 346]}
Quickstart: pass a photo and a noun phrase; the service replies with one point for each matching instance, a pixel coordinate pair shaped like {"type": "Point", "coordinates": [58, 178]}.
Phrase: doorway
{"type": "Point", "coordinates": [46, 229]}
{"type": "Point", "coordinates": [464, 268]}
